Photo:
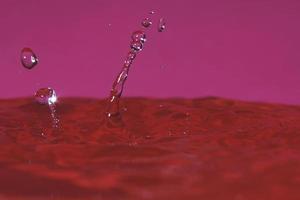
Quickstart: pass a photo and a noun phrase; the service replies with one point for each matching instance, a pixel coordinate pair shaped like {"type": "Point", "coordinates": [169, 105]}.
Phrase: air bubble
{"type": "Point", "coordinates": [28, 58]}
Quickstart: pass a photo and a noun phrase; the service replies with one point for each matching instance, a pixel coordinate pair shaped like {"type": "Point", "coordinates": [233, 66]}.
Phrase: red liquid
{"type": "Point", "coordinates": [164, 149]}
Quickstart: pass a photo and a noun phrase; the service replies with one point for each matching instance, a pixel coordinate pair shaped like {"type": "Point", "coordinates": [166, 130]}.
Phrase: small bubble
{"type": "Point", "coordinates": [146, 22]}
{"type": "Point", "coordinates": [151, 12]}
{"type": "Point", "coordinates": [136, 46]}
{"type": "Point", "coordinates": [161, 25]}
{"type": "Point", "coordinates": [28, 58]}
{"type": "Point", "coordinates": [138, 36]}
{"type": "Point", "coordinates": [46, 96]}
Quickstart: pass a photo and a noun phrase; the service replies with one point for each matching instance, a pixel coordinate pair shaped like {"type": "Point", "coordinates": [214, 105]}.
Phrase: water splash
{"type": "Point", "coordinates": [47, 96]}
{"type": "Point", "coordinates": [138, 38]}
{"type": "Point", "coordinates": [136, 45]}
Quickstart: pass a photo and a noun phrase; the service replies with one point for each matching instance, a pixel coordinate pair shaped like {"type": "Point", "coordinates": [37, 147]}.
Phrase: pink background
{"type": "Point", "coordinates": [244, 49]}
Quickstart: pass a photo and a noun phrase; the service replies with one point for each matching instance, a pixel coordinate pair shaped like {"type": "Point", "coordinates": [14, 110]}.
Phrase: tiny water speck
{"type": "Point", "coordinates": [146, 22]}
{"type": "Point", "coordinates": [127, 62]}
{"type": "Point", "coordinates": [161, 25]}
{"type": "Point", "coordinates": [131, 55]}
{"type": "Point", "coordinates": [28, 58]}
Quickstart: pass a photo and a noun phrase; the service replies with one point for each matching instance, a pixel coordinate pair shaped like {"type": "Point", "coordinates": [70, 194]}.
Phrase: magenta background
{"type": "Point", "coordinates": [244, 49]}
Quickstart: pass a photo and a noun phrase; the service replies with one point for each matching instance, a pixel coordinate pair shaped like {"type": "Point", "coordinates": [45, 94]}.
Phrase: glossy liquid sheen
{"type": "Point", "coordinates": [206, 148]}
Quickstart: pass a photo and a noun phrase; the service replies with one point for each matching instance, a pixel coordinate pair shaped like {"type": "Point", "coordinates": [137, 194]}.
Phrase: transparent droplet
{"type": "Point", "coordinates": [46, 96]}
{"type": "Point", "coordinates": [151, 12]}
{"type": "Point", "coordinates": [122, 76]}
{"type": "Point", "coordinates": [161, 25]}
{"type": "Point", "coordinates": [127, 62]}
{"type": "Point", "coordinates": [146, 22]}
{"type": "Point", "coordinates": [136, 46]}
{"type": "Point", "coordinates": [138, 36]}
{"type": "Point", "coordinates": [131, 55]}
{"type": "Point", "coordinates": [28, 58]}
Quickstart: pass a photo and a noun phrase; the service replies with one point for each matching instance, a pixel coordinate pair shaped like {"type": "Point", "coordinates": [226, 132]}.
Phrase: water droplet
{"type": "Point", "coordinates": [146, 22]}
{"type": "Point", "coordinates": [161, 25]}
{"type": "Point", "coordinates": [46, 96]}
{"type": "Point", "coordinates": [136, 46]}
{"type": "Point", "coordinates": [123, 75]}
{"type": "Point", "coordinates": [151, 12]}
{"type": "Point", "coordinates": [127, 63]}
{"type": "Point", "coordinates": [28, 58]}
{"type": "Point", "coordinates": [131, 55]}
{"type": "Point", "coordinates": [138, 36]}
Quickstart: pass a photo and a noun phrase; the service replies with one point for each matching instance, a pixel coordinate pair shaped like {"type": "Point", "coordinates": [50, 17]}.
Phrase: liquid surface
{"type": "Point", "coordinates": [206, 148]}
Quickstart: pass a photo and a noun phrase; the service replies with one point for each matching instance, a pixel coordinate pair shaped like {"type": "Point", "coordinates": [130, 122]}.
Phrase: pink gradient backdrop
{"type": "Point", "coordinates": [244, 49]}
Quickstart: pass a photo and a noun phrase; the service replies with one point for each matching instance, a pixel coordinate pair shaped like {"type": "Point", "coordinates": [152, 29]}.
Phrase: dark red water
{"type": "Point", "coordinates": [163, 149]}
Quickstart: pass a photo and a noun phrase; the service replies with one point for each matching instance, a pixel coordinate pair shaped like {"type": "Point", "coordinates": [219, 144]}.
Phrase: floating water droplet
{"type": "Point", "coordinates": [146, 22]}
{"type": "Point", "coordinates": [136, 46]}
{"type": "Point", "coordinates": [161, 25]}
{"type": "Point", "coordinates": [151, 12]}
{"type": "Point", "coordinates": [28, 58]}
{"type": "Point", "coordinates": [138, 36]}
{"type": "Point", "coordinates": [46, 96]}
